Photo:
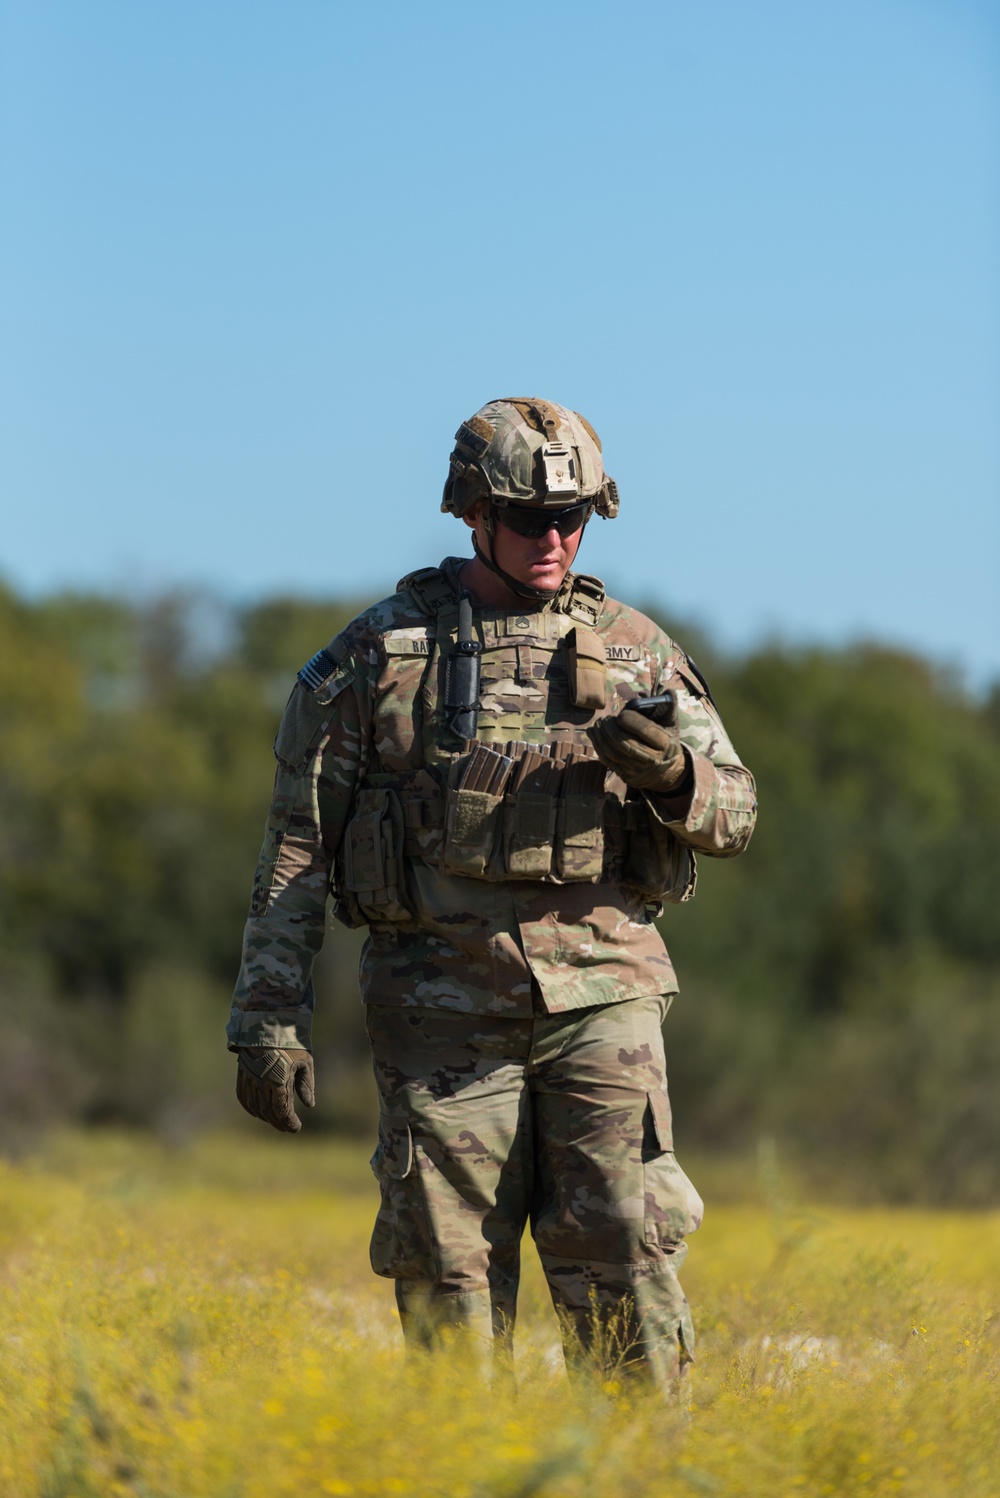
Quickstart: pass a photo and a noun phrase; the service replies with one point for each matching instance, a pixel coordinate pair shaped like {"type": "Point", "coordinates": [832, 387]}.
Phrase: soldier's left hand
{"type": "Point", "coordinates": [647, 755]}
{"type": "Point", "coordinates": [266, 1081]}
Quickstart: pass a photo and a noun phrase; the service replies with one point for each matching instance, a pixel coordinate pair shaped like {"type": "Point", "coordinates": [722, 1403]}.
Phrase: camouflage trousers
{"type": "Point", "coordinates": [562, 1121]}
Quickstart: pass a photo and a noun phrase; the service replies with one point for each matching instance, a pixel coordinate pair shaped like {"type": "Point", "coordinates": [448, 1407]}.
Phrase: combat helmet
{"type": "Point", "coordinates": [527, 453]}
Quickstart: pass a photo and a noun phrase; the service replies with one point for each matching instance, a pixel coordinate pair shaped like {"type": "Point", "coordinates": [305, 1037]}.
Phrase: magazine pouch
{"type": "Point", "coordinates": [472, 812]}
{"type": "Point", "coordinates": [579, 843]}
{"type": "Point", "coordinates": [529, 834]}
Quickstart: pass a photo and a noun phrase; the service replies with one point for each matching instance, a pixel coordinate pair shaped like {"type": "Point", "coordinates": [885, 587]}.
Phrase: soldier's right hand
{"type": "Point", "coordinates": [266, 1081]}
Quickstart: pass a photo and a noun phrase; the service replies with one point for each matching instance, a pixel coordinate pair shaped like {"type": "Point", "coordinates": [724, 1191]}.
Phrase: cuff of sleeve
{"type": "Point", "coordinates": [686, 813]}
{"type": "Point", "coordinates": [278, 1029]}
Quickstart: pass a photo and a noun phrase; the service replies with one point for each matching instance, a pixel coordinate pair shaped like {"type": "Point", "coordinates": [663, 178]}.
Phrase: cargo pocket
{"type": "Point", "coordinates": [393, 1155]}
{"type": "Point", "coordinates": [529, 833]}
{"type": "Point", "coordinates": [471, 822]}
{"type": "Point", "coordinates": [736, 813]}
{"type": "Point", "coordinates": [374, 872]}
{"type": "Point", "coordinates": [267, 863]}
{"type": "Point", "coordinates": [401, 1246]}
{"type": "Point", "coordinates": [580, 838]}
{"type": "Point", "coordinates": [673, 1207]}
{"type": "Point", "coordinates": [306, 715]}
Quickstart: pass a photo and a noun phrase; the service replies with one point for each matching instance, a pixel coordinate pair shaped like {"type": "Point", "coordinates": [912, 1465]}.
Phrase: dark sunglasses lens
{"type": "Point", "coordinates": [535, 523]}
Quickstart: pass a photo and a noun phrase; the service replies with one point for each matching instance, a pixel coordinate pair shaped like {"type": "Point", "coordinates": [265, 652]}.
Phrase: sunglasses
{"type": "Point", "coordinates": [536, 522]}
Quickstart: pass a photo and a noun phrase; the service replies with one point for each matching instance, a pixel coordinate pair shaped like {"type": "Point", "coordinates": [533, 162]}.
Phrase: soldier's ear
{"type": "Point", "coordinates": [473, 514]}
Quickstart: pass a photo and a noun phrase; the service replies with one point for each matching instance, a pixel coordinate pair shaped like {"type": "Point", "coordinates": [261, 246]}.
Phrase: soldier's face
{"type": "Point", "coordinates": [539, 561]}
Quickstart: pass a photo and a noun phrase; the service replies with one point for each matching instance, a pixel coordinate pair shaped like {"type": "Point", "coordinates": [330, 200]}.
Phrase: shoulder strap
{"type": "Point", "coordinates": [429, 587]}
{"type": "Point", "coordinates": [701, 677]}
{"type": "Point", "coordinates": [581, 596]}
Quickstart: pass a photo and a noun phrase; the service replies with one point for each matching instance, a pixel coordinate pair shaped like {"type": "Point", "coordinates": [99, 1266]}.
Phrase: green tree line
{"type": "Point", "coordinates": [839, 981]}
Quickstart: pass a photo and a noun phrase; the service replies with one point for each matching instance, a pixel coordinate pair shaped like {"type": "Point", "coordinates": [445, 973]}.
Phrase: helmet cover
{"type": "Point", "coordinates": [527, 451]}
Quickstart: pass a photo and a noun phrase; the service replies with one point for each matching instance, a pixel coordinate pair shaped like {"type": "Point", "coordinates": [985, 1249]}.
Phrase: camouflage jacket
{"type": "Point", "coordinates": [361, 805]}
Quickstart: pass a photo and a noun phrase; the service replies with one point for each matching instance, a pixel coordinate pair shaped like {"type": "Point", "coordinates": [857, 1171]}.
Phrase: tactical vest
{"type": "Point", "coordinates": [527, 799]}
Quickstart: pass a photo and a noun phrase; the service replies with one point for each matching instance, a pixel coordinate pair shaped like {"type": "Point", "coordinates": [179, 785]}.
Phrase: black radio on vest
{"type": "Point", "coordinates": [461, 676]}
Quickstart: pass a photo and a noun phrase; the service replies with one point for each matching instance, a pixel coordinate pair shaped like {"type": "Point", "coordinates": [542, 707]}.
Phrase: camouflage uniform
{"type": "Point", "coordinates": [515, 978]}
{"type": "Point", "coordinates": [564, 1121]}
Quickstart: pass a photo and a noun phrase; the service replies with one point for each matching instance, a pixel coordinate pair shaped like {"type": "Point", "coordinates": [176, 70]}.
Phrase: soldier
{"type": "Point", "coordinates": [472, 769]}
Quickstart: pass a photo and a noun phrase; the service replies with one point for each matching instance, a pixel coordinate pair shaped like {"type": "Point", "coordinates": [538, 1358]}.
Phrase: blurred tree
{"type": "Point", "coordinates": [838, 981]}
{"type": "Point", "coordinates": [878, 830]}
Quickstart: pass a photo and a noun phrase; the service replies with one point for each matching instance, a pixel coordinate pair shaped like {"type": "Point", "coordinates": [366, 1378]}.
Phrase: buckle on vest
{"type": "Point", "coordinates": [586, 598]}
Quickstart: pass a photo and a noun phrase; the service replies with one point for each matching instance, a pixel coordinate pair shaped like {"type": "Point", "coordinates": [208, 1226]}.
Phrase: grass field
{"type": "Point", "coordinates": [202, 1323]}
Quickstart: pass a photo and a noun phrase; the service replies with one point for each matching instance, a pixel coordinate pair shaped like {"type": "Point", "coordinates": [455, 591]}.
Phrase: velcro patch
{"type": "Point", "coordinates": [523, 624]}
{"type": "Point", "coordinates": [474, 438]}
{"type": "Point", "coordinates": [623, 652]}
{"type": "Point", "coordinates": [405, 643]}
{"type": "Point", "coordinates": [316, 670]}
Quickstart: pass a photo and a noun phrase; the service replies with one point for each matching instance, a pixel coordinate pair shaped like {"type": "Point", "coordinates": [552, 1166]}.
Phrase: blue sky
{"type": "Point", "coordinates": [257, 262]}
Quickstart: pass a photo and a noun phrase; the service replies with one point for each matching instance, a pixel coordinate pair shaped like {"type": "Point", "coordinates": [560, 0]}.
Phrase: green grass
{"type": "Point", "coordinates": [202, 1323]}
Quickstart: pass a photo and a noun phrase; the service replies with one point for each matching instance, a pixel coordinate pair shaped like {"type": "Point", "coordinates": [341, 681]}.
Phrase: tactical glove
{"type": "Point", "coordinates": [646, 755]}
{"type": "Point", "coordinates": [265, 1080]}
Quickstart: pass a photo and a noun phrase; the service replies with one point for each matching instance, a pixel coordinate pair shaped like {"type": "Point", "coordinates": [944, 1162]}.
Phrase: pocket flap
{"type": "Point", "coordinates": [364, 853]}
{"type": "Point", "coordinates": [306, 715]}
{"type": "Point", "coordinates": [394, 1156]}
{"type": "Point", "coordinates": [587, 669]}
{"type": "Point", "coordinates": [469, 815]}
{"type": "Point", "coordinates": [663, 1123]}
{"type": "Point", "coordinates": [587, 644]}
{"type": "Point", "coordinates": [534, 818]}
{"type": "Point", "coordinates": [583, 819]}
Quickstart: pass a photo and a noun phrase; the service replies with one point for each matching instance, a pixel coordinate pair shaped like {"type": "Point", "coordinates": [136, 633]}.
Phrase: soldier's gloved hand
{"type": "Point", "coordinates": [646, 755]}
{"type": "Point", "coordinates": [266, 1081]}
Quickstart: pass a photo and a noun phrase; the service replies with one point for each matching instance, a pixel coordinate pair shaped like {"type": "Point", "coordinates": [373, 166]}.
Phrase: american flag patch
{"type": "Point", "coordinates": [315, 671]}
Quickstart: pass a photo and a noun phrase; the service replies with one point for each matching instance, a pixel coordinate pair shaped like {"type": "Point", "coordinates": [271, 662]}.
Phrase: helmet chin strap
{"type": "Point", "coordinates": [523, 590]}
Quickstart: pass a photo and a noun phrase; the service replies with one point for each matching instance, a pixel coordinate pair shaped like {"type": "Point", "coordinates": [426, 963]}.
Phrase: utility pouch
{"type": "Point", "coordinates": [373, 867]}
{"type": "Point", "coordinates": [656, 863]}
{"type": "Point", "coordinates": [579, 842]}
{"type": "Point", "coordinates": [472, 811]}
{"type": "Point", "coordinates": [588, 670]}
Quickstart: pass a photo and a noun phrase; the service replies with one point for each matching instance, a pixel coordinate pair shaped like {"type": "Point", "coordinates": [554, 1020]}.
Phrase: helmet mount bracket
{"type": "Point", "coordinates": [559, 468]}
{"type": "Point", "coordinates": [526, 452]}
